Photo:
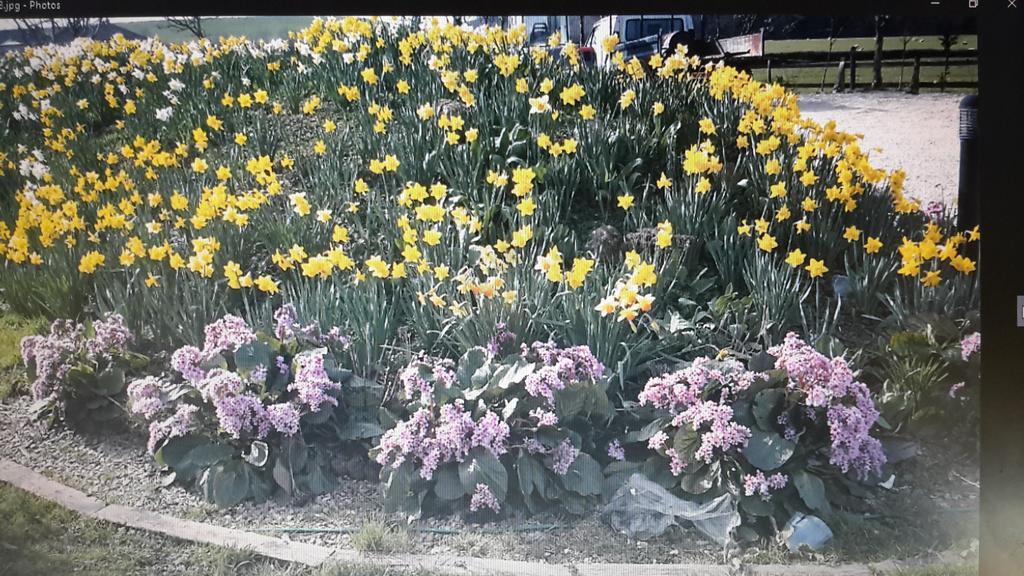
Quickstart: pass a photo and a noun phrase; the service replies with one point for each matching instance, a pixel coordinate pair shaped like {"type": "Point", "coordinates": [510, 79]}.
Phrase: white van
{"type": "Point", "coordinates": [638, 34]}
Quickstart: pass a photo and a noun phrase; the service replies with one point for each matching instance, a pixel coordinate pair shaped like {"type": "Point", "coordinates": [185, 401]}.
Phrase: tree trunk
{"type": "Point", "coordinates": [876, 80]}
{"type": "Point", "coordinates": [828, 58]}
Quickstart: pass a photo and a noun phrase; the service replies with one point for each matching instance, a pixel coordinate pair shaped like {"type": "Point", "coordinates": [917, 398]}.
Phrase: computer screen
{"type": "Point", "coordinates": [408, 290]}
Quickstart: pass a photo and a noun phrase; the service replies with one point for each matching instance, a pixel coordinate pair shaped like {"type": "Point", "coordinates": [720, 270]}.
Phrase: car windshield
{"type": "Point", "coordinates": [641, 28]}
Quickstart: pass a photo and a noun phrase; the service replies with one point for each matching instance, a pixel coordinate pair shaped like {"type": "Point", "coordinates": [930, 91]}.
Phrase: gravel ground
{"type": "Point", "coordinates": [117, 469]}
{"type": "Point", "coordinates": [918, 133]}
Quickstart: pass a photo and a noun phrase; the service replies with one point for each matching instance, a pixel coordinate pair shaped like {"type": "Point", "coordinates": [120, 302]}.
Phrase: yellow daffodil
{"type": "Point", "coordinates": [767, 243]}
{"type": "Point", "coordinates": [795, 258]}
{"type": "Point", "coordinates": [816, 268]}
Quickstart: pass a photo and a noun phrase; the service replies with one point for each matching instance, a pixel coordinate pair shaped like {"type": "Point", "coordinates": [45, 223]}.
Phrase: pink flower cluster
{"type": "Point", "coordinates": [311, 382]}
{"type": "Point", "coordinates": [562, 457]}
{"type": "Point", "coordinates": [615, 451]}
{"type": "Point", "coordinates": [186, 361]}
{"type": "Point", "coordinates": [830, 383]}
{"type": "Point", "coordinates": [417, 386]}
{"type": "Point", "coordinates": [226, 335]}
{"type": "Point", "coordinates": [52, 356]}
{"type": "Point", "coordinates": [970, 345]}
{"type": "Point", "coordinates": [111, 336]}
{"type": "Point", "coordinates": [759, 484]}
{"type": "Point", "coordinates": [240, 411]}
{"type": "Point", "coordinates": [245, 415]}
{"type": "Point", "coordinates": [560, 367]}
{"type": "Point", "coordinates": [430, 439]}
{"type": "Point", "coordinates": [722, 433]}
{"type": "Point", "coordinates": [484, 498]}
{"type": "Point", "coordinates": [676, 462]}
{"type": "Point", "coordinates": [285, 322]}
{"type": "Point", "coordinates": [145, 397]}
{"type": "Point", "coordinates": [502, 335]}
{"type": "Point", "coordinates": [176, 425]}
{"type": "Point", "coordinates": [287, 327]}
{"type": "Point", "coordinates": [682, 394]}
{"type": "Point", "coordinates": [575, 364]}
{"type": "Point", "coordinates": [544, 417]}
{"type": "Point", "coordinates": [679, 390]}
{"type": "Point", "coordinates": [220, 383]}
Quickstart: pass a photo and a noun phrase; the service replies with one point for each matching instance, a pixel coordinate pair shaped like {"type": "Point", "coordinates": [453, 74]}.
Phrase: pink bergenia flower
{"type": "Point", "coordinates": [830, 384]}
{"type": "Point", "coordinates": [311, 381]}
{"type": "Point", "coordinates": [676, 462]}
{"type": "Point", "coordinates": [758, 484]}
{"type": "Point", "coordinates": [615, 451]}
{"type": "Point", "coordinates": [145, 397]}
{"type": "Point", "coordinates": [970, 345]}
{"type": "Point", "coordinates": [243, 416]}
{"type": "Point", "coordinates": [430, 440]}
{"type": "Point", "coordinates": [185, 361]}
{"type": "Point", "coordinates": [226, 335]}
{"type": "Point", "coordinates": [177, 425]}
{"type": "Point", "coordinates": [484, 498]}
{"type": "Point", "coordinates": [563, 456]}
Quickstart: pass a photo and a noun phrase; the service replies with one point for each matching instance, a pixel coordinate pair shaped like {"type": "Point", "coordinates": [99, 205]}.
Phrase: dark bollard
{"type": "Point", "coordinates": [853, 68]}
{"type": "Point", "coordinates": [968, 196]}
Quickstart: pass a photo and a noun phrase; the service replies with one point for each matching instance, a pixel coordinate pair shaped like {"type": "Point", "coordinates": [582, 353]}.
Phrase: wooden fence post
{"type": "Point", "coordinates": [915, 76]}
{"type": "Point", "coordinates": [840, 77]}
{"type": "Point", "coordinates": [853, 68]}
{"type": "Point", "coordinates": [769, 63]}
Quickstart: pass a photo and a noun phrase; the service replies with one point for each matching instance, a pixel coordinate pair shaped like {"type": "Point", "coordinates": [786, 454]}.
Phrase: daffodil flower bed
{"type": "Point", "coordinates": [417, 187]}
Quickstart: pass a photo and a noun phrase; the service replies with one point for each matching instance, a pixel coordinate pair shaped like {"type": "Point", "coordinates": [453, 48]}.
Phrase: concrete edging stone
{"type": "Point", "coordinates": [315, 555]}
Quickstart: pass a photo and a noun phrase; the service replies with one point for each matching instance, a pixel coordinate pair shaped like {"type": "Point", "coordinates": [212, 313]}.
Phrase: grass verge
{"type": "Point", "coordinates": [38, 538]}
{"type": "Point", "coordinates": [12, 329]}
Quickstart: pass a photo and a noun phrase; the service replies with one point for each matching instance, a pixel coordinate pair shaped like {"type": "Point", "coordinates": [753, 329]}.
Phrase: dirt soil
{"type": "Point", "coordinates": [918, 133]}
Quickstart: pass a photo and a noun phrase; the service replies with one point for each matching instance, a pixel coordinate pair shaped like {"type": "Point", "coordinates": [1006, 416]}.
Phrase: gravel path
{"type": "Point", "coordinates": [919, 133]}
{"type": "Point", "coordinates": [117, 469]}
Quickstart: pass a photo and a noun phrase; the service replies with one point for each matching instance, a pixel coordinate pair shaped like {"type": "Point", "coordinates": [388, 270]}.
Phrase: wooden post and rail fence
{"type": "Point", "coordinates": [848, 66]}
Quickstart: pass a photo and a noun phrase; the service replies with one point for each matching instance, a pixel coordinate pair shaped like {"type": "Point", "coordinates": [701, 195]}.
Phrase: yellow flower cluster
{"type": "Point", "coordinates": [627, 297]}
{"type": "Point", "coordinates": [180, 201]}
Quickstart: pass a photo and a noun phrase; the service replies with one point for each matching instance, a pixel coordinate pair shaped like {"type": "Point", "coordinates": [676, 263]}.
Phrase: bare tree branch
{"type": "Point", "coordinates": [191, 24]}
{"type": "Point", "coordinates": [38, 31]}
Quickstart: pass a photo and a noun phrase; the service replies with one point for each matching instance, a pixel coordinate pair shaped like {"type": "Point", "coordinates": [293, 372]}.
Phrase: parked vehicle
{"type": "Point", "coordinates": [647, 35]}
{"type": "Point", "coordinates": [639, 35]}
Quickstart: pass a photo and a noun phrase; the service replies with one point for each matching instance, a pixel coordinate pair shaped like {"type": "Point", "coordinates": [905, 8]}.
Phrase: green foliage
{"type": "Point", "coordinates": [536, 462]}
{"type": "Point", "coordinates": [928, 386]}
{"type": "Point", "coordinates": [79, 374]}
{"type": "Point", "coordinates": [13, 328]}
{"type": "Point", "coordinates": [377, 537]}
{"type": "Point", "coordinates": [234, 455]}
{"type": "Point", "coordinates": [767, 440]}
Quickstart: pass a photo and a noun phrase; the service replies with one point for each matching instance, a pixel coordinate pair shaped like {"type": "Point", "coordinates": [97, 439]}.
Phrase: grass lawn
{"type": "Point", "coordinates": [252, 27]}
{"type": "Point", "coordinates": [843, 45]}
{"type": "Point", "coordinates": [929, 76]}
{"type": "Point", "coordinates": [40, 538]}
{"type": "Point", "coordinates": [937, 571]}
{"type": "Point", "coordinates": [12, 329]}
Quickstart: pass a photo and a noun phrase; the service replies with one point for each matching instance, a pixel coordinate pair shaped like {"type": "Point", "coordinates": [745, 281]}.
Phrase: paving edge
{"type": "Point", "coordinates": [316, 555]}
